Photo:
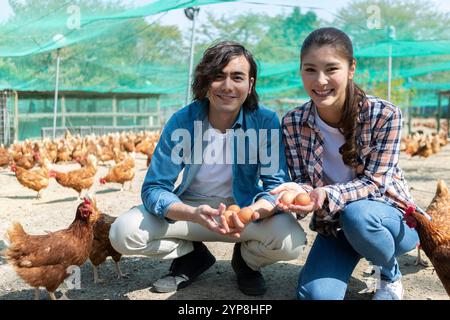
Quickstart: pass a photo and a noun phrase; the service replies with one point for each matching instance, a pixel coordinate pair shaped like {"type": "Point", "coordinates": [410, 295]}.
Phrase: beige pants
{"type": "Point", "coordinates": [277, 238]}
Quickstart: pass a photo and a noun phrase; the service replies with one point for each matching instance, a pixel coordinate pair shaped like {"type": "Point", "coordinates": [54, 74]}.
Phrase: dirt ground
{"type": "Point", "coordinates": [56, 211]}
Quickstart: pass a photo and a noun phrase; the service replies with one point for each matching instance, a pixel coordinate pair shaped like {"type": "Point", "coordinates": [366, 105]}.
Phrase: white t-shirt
{"type": "Point", "coordinates": [334, 168]}
{"type": "Point", "coordinates": [214, 177]}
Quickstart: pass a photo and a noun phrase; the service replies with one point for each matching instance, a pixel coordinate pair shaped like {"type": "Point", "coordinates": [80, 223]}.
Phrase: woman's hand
{"type": "Point", "coordinates": [288, 186]}
{"type": "Point", "coordinates": [317, 196]}
{"type": "Point", "coordinates": [284, 188]}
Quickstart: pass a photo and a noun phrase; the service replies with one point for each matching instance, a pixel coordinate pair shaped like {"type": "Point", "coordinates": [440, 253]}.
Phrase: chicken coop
{"type": "Point", "coordinates": [29, 114]}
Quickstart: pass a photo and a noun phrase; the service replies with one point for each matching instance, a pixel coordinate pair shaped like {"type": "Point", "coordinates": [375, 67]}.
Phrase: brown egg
{"type": "Point", "coordinates": [302, 199]}
{"type": "Point", "coordinates": [234, 207]}
{"type": "Point", "coordinates": [228, 216]}
{"type": "Point", "coordinates": [245, 215]}
{"type": "Point", "coordinates": [288, 197]}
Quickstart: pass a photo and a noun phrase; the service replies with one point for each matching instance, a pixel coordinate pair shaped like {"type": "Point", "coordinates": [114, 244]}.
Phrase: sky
{"type": "Point", "coordinates": [323, 8]}
{"type": "Point", "coordinates": [177, 17]}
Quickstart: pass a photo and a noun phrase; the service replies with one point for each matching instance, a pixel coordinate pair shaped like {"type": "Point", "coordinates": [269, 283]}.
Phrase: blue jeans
{"type": "Point", "coordinates": [370, 229]}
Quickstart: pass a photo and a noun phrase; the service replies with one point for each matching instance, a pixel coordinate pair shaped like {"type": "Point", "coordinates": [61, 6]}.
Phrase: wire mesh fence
{"type": "Point", "coordinates": [47, 132]}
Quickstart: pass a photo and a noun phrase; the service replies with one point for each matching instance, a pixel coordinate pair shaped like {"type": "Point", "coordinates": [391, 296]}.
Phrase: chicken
{"type": "Point", "coordinates": [412, 146]}
{"type": "Point", "coordinates": [43, 260]}
{"type": "Point", "coordinates": [64, 153]}
{"type": "Point", "coordinates": [435, 143]}
{"type": "Point", "coordinates": [5, 156]}
{"type": "Point", "coordinates": [443, 140]}
{"type": "Point", "coordinates": [36, 179]}
{"type": "Point", "coordinates": [425, 147]}
{"type": "Point", "coordinates": [121, 172]}
{"type": "Point", "coordinates": [101, 246]}
{"type": "Point", "coordinates": [434, 235]}
{"type": "Point", "coordinates": [439, 210]}
{"type": "Point", "coordinates": [25, 161]}
{"type": "Point", "coordinates": [78, 179]}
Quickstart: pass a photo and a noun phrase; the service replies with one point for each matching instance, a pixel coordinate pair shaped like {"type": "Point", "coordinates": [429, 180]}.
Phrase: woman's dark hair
{"type": "Point", "coordinates": [354, 94]}
{"type": "Point", "coordinates": [214, 59]}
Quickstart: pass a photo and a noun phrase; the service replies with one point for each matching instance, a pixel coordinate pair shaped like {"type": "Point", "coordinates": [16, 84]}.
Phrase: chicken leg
{"type": "Point", "coordinates": [419, 259]}
{"type": "Point", "coordinates": [119, 272]}
{"type": "Point", "coordinates": [97, 279]}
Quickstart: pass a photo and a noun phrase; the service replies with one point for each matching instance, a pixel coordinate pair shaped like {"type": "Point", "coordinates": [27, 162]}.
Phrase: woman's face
{"type": "Point", "coordinates": [325, 75]}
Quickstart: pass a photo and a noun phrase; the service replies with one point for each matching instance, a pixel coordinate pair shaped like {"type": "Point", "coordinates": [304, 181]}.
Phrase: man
{"type": "Point", "coordinates": [227, 150]}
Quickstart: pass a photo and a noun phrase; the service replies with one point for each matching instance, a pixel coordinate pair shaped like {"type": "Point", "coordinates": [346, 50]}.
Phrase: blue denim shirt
{"type": "Point", "coordinates": [253, 174]}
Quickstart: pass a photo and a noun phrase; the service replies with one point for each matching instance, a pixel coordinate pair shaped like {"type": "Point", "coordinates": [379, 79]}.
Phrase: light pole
{"type": "Point", "coordinates": [191, 13]}
{"type": "Point", "coordinates": [391, 37]}
{"type": "Point", "coordinates": [56, 38]}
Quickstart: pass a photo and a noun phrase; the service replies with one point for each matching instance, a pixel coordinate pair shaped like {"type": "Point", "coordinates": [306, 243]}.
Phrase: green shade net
{"type": "Point", "coordinates": [37, 39]}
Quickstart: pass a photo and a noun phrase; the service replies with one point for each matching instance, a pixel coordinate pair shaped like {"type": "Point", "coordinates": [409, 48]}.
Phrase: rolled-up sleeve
{"type": "Point", "coordinates": [157, 190]}
{"type": "Point", "coordinates": [274, 172]}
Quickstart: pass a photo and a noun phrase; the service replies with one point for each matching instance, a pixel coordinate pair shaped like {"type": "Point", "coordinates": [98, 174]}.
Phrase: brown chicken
{"type": "Point", "coordinates": [43, 260]}
{"type": "Point", "coordinates": [439, 210]}
{"type": "Point", "coordinates": [25, 161]}
{"type": "Point", "coordinates": [101, 246]}
{"type": "Point", "coordinates": [435, 235]}
{"type": "Point", "coordinates": [5, 156]}
{"type": "Point", "coordinates": [78, 179]}
{"type": "Point", "coordinates": [121, 173]}
{"type": "Point", "coordinates": [36, 179]}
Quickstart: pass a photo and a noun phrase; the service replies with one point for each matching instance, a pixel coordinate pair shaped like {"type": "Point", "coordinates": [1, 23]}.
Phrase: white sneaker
{"type": "Point", "coordinates": [389, 290]}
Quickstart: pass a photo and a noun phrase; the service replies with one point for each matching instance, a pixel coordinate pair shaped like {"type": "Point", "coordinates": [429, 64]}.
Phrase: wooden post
{"type": "Point", "coordinates": [16, 116]}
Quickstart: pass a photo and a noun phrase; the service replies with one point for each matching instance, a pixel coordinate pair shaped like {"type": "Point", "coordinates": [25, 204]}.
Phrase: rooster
{"type": "Point", "coordinates": [44, 260]}
{"type": "Point", "coordinates": [101, 247]}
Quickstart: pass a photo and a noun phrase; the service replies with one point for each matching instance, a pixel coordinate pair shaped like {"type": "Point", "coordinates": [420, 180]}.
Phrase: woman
{"type": "Point", "coordinates": [342, 148]}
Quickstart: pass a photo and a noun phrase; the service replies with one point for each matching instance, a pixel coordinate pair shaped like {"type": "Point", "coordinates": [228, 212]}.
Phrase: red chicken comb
{"type": "Point", "coordinates": [409, 219]}
{"type": "Point", "coordinates": [86, 201]}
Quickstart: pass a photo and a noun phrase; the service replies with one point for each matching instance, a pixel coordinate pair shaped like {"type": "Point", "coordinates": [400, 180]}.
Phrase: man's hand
{"type": "Point", "coordinates": [238, 225]}
{"type": "Point", "coordinates": [204, 215]}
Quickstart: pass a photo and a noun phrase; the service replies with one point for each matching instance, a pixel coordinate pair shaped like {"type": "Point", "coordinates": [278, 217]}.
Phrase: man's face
{"type": "Point", "coordinates": [231, 87]}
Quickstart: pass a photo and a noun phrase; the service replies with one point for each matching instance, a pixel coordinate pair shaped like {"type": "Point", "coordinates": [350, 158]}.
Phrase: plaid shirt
{"type": "Point", "coordinates": [378, 176]}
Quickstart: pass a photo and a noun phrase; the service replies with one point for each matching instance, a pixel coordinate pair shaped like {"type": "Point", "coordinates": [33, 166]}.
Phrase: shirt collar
{"type": "Point", "coordinates": [310, 114]}
{"type": "Point", "coordinates": [239, 120]}
{"type": "Point", "coordinates": [203, 113]}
